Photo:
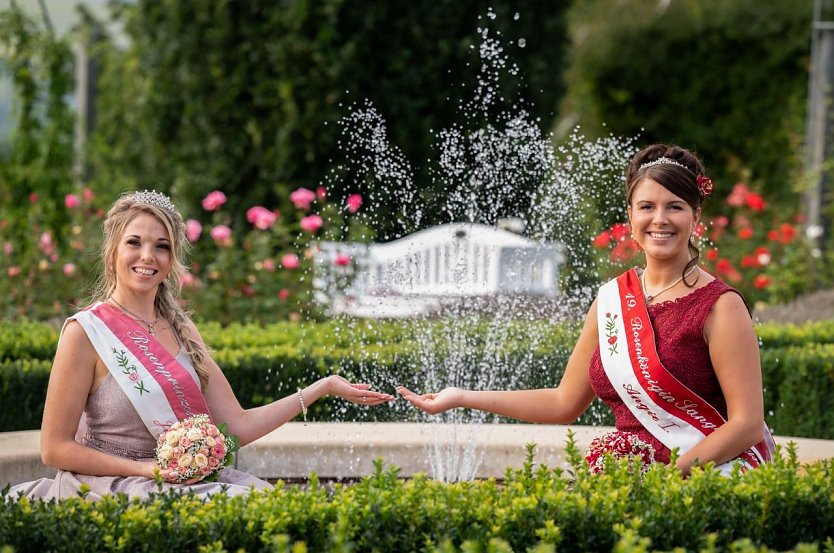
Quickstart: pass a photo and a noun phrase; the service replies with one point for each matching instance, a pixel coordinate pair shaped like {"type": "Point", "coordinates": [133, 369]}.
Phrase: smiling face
{"type": "Point", "coordinates": [661, 221]}
{"type": "Point", "coordinates": [142, 258]}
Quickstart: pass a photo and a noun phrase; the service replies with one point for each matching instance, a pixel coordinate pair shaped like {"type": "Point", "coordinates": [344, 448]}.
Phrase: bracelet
{"type": "Point", "coordinates": [303, 407]}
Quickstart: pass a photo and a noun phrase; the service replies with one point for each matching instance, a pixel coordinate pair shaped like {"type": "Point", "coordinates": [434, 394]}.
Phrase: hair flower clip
{"type": "Point", "coordinates": [704, 185]}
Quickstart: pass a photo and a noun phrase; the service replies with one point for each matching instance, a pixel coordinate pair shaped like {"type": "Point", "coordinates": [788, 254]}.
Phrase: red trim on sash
{"type": "Point", "coordinates": [656, 381]}
{"type": "Point", "coordinates": [191, 400]}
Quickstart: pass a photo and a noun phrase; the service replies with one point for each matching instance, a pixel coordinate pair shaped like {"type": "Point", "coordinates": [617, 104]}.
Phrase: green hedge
{"type": "Point", "coordinates": [265, 363]}
{"type": "Point", "coordinates": [775, 507]}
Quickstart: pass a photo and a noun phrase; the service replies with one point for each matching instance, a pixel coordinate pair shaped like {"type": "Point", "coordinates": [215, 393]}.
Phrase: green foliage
{"type": "Point", "coordinates": [264, 363]}
{"type": "Point", "coordinates": [244, 97]}
{"type": "Point", "coordinates": [726, 78]}
{"type": "Point", "coordinates": [777, 507]}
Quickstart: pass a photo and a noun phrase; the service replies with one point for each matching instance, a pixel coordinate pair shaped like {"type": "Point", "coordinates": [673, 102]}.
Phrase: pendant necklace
{"type": "Point", "coordinates": [150, 324]}
{"type": "Point", "coordinates": [650, 297]}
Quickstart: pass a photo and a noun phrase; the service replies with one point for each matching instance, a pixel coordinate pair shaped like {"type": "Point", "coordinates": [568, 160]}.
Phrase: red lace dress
{"type": "Point", "coordinates": [679, 332]}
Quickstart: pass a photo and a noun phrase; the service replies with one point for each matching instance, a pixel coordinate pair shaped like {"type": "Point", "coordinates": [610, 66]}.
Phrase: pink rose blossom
{"type": "Point", "coordinates": [193, 230]}
{"type": "Point", "coordinates": [290, 261]}
{"type": "Point", "coordinates": [204, 451]}
{"type": "Point", "coordinates": [214, 200]}
{"type": "Point", "coordinates": [213, 431]}
{"type": "Point", "coordinates": [219, 451]}
{"type": "Point", "coordinates": [172, 464]}
{"type": "Point", "coordinates": [205, 471]}
{"type": "Point", "coordinates": [188, 279]}
{"type": "Point", "coordinates": [13, 271]}
{"type": "Point", "coordinates": [283, 293]}
{"type": "Point", "coordinates": [354, 202]}
{"type": "Point", "coordinates": [321, 193]}
{"type": "Point", "coordinates": [87, 194]}
{"type": "Point", "coordinates": [269, 264]}
{"type": "Point", "coordinates": [247, 290]}
{"type": "Point", "coordinates": [302, 198]}
{"type": "Point", "coordinates": [185, 442]}
{"type": "Point", "coordinates": [213, 463]}
{"type": "Point", "coordinates": [177, 451]}
{"type": "Point", "coordinates": [33, 198]}
{"type": "Point", "coordinates": [311, 223]}
{"type": "Point", "coordinates": [8, 248]}
{"type": "Point", "coordinates": [187, 423]}
{"type": "Point", "coordinates": [69, 269]}
{"type": "Point", "coordinates": [341, 260]}
{"type": "Point", "coordinates": [261, 217]}
{"type": "Point", "coordinates": [71, 201]}
{"type": "Point", "coordinates": [222, 235]}
{"type": "Point", "coordinates": [45, 243]}
{"type": "Point", "coordinates": [133, 377]}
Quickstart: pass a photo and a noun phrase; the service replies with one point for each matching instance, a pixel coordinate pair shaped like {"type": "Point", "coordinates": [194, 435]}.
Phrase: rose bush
{"type": "Point", "coordinates": [259, 273]}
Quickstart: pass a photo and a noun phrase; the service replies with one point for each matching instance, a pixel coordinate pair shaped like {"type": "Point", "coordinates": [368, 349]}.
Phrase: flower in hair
{"type": "Point", "coordinates": [704, 185]}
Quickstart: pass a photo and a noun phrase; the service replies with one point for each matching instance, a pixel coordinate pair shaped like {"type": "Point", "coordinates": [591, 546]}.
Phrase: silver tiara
{"type": "Point", "coordinates": [663, 161]}
{"type": "Point", "coordinates": [154, 198]}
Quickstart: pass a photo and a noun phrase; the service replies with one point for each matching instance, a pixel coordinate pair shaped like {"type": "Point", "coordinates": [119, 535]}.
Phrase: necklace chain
{"type": "Point", "coordinates": [650, 297]}
{"type": "Point", "coordinates": [150, 324]}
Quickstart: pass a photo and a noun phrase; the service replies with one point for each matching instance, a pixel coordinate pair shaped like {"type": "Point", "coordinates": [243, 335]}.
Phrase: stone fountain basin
{"type": "Point", "coordinates": [347, 450]}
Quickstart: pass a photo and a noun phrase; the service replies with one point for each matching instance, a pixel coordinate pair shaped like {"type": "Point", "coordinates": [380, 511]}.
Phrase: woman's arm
{"type": "Point", "coordinates": [559, 405]}
{"type": "Point", "coordinates": [734, 351]}
{"type": "Point", "coordinates": [250, 424]}
{"type": "Point", "coordinates": [70, 381]}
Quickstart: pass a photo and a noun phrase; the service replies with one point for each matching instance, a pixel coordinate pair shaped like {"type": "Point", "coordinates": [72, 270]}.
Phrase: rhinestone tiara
{"type": "Point", "coordinates": [153, 197]}
{"type": "Point", "coordinates": [663, 161]}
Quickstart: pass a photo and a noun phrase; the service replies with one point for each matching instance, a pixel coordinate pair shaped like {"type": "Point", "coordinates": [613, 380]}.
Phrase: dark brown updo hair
{"type": "Point", "coordinates": [679, 178]}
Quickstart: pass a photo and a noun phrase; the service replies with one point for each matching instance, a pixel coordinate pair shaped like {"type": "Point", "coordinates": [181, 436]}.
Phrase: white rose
{"type": "Point", "coordinates": [185, 460]}
{"type": "Point", "coordinates": [200, 460]}
{"type": "Point", "coordinates": [172, 438]}
{"type": "Point", "coordinates": [210, 442]}
{"type": "Point", "coordinates": [194, 434]}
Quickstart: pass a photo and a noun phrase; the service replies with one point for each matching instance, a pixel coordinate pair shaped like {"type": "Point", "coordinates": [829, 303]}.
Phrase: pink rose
{"type": "Point", "coordinates": [186, 423]}
{"type": "Point", "coordinates": [302, 198]}
{"type": "Point", "coordinates": [212, 431]}
{"type": "Point", "coordinates": [354, 202]}
{"type": "Point", "coordinates": [290, 261]}
{"type": "Point", "coordinates": [133, 377]}
{"type": "Point", "coordinates": [33, 198]}
{"type": "Point", "coordinates": [87, 193]}
{"type": "Point", "coordinates": [222, 235]}
{"type": "Point", "coordinates": [219, 451]}
{"type": "Point", "coordinates": [283, 293]}
{"type": "Point", "coordinates": [269, 264]}
{"type": "Point", "coordinates": [188, 279]}
{"type": "Point", "coordinates": [193, 230]}
{"type": "Point", "coordinates": [71, 201]}
{"type": "Point", "coordinates": [341, 260]}
{"type": "Point", "coordinates": [311, 223]}
{"type": "Point", "coordinates": [205, 471]}
{"type": "Point", "coordinates": [185, 443]}
{"type": "Point", "coordinates": [213, 463]}
{"type": "Point", "coordinates": [214, 200]}
{"type": "Point", "coordinates": [261, 217]}
{"type": "Point", "coordinates": [177, 451]}
{"type": "Point", "coordinates": [204, 451]}
{"type": "Point", "coordinates": [321, 193]}
{"type": "Point", "coordinates": [247, 290]}
{"type": "Point", "coordinates": [172, 464]}
{"type": "Point", "coordinates": [69, 269]}
{"type": "Point", "coordinates": [8, 248]}
{"type": "Point", "coordinates": [45, 243]}
{"type": "Point", "coordinates": [13, 271]}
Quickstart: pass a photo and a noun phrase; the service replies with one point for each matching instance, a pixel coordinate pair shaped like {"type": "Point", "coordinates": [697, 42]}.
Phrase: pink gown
{"type": "Point", "coordinates": [114, 426]}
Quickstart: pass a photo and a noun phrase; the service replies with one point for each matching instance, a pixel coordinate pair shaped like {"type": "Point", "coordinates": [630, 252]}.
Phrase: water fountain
{"type": "Point", "coordinates": [493, 167]}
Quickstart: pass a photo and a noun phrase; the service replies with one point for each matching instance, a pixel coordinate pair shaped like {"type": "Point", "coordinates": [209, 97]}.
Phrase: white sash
{"type": "Point", "coordinates": [158, 386]}
{"type": "Point", "coordinates": [670, 411]}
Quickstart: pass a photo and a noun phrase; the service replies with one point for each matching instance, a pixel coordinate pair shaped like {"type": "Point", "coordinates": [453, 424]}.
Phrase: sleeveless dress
{"type": "Point", "coordinates": [679, 329]}
{"type": "Point", "coordinates": [114, 427]}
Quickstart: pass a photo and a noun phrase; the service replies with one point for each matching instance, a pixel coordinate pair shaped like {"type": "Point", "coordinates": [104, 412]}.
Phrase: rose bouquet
{"type": "Point", "coordinates": [194, 448]}
{"type": "Point", "coordinates": [618, 445]}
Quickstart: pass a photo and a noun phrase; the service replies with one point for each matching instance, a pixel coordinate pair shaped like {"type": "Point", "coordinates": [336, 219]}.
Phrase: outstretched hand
{"type": "Point", "coordinates": [360, 394]}
{"type": "Point", "coordinates": [446, 399]}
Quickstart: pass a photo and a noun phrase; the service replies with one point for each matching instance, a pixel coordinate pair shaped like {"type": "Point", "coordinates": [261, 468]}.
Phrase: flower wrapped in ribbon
{"type": "Point", "coordinates": [195, 449]}
{"type": "Point", "coordinates": [618, 445]}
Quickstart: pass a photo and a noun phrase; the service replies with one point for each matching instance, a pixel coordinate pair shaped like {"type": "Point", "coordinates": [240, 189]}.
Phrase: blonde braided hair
{"type": "Point", "coordinates": [167, 300]}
